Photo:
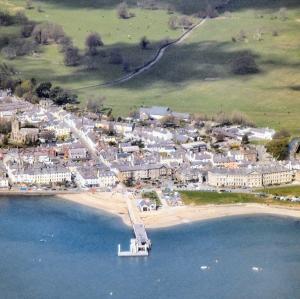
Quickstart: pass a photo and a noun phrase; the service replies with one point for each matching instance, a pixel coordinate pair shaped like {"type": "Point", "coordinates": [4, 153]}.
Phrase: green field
{"type": "Point", "coordinates": [183, 78]}
{"type": "Point", "coordinates": [283, 191]}
{"type": "Point", "coordinates": [205, 198]}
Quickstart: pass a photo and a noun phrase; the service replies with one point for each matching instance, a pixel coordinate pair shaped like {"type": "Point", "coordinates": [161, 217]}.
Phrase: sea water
{"type": "Point", "coordinates": [56, 249]}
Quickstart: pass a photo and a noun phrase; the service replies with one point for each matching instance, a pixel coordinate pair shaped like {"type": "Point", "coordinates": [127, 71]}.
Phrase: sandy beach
{"type": "Point", "coordinates": [110, 202]}
{"type": "Point", "coordinates": [187, 214]}
{"type": "Point", "coordinates": [115, 203]}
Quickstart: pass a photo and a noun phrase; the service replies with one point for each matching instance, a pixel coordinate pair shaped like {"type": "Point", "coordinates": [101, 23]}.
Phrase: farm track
{"type": "Point", "coordinates": [148, 65]}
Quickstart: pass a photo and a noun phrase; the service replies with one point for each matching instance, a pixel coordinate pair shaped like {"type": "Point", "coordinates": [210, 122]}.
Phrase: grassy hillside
{"type": "Point", "coordinates": [194, 76]}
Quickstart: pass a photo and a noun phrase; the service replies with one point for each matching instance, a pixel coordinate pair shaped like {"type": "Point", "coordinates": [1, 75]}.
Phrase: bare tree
{"type": "Point", "coordinates": [185, 22]}
{"type": "Point", "coordinates": [123, 12]}
{"type": "Point", "coordinates": [29, 4]}
{"type": "Point", "coordinates": [173, 22]}
{"type": "Point", "coordinates": [48, 32]}
{"type": "Point", "coordinates": [282, 14]}
{"type": "Point", "coordinates": [95, 104]}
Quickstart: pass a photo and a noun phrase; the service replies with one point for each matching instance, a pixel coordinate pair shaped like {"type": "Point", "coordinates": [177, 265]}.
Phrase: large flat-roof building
{"type": "Point", "coordinates": [250, 177]}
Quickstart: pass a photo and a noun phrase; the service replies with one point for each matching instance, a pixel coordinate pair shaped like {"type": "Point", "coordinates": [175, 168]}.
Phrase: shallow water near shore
{"type": "Point", "coordinates": [57, 249]}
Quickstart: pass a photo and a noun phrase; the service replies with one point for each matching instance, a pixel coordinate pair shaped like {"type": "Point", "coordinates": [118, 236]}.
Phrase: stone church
{"type": "Point", "coordinates": [23, 135]}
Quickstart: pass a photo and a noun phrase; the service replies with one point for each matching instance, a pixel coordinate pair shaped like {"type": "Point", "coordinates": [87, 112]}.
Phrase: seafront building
{"type": "Point", "coordinates": [250, 177]}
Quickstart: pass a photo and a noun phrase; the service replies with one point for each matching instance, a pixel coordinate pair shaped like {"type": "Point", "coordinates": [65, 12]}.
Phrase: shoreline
{"type": "Point", "coordinates": [114, 203]}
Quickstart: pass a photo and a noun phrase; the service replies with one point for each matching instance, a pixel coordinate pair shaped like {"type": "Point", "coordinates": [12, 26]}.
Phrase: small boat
{"type": "Point", "coordinates": [256, 269]}
{"type": "Point", "coordinates": [204, 268]}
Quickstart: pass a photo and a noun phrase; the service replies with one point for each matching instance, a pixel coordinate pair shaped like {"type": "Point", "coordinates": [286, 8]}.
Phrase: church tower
{"type": "Point", "coordinates": [15, 129]}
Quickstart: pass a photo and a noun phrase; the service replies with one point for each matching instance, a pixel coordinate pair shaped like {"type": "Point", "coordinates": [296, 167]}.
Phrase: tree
{"type": "Point", "coordinates": [211, 12]}
{"type": "Point", "coordinates": [95, 105]}
{"type": "Point", "coordinates": [71, 56]}
{"type": "Point", "coordinates": [241, 35]}
{"type": "Point", "coordinates": [282, 14]}
{"type": "Point", "coordinates": [66, 98]}
{"type": "Point", "coordinates": [20, 18]}
{"type": "Point", "coordinates": [27, 30]}
{"type": "Point", "coordinates": [43, 90]}
{"type": "Point", "coordinates": [45, 33]}
{"type": "Point", "coordinates": [244, 64]}
{"type": "Point", "coordinates": [6, 18]}
{"type": "Point", "coordinates": [25, 87]}
{"type": "Point", "coordinates": [185, 22]}
{"type": "Point", "coordinates": [173, 22]}
{"type": "Point", "coordinates": [93, 42]}
{"type": "Point", "coordinates": [9, 53]}
{"type": "Point", "coordinates": [29, 4]}
{"type": "Point", "coordinates": [245, 139]}
{"type": "Point", "coordinates": [282, 134]}
{"type": "Point", "coordinates": [278, 148]}
{"type": "Point", "coordinates": [65, 42]}
{"type": "Point", "coordinates": [19, 47]}
{"type": "Point", "coordinates": [5, 126]}
{"type": "Point", "coordinates": [54, 92]}
{"type": "Point", "coordinates": [144, 43]}
{"type": "Point", "coordinates": [123, 12]}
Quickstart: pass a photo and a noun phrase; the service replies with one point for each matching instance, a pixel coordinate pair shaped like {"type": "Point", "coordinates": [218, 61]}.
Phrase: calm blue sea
{"type": "Point", "coordinates": [54, 249]}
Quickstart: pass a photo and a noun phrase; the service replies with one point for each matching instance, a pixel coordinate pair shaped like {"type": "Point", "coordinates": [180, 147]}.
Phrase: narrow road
{"type": "Point", "coordinates": [148, 65]}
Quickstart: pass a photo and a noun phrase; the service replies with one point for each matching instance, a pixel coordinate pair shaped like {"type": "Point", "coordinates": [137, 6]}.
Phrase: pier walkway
{"type": "Point", "coordinates": [141, 245]}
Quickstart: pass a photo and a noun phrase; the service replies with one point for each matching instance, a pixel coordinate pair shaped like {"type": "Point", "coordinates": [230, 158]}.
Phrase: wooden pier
{"type": "Point", "coordinates": [141, 245]}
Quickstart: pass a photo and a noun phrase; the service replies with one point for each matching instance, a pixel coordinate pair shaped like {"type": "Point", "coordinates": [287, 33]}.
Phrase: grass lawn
{"type": "Point", "coordinates": [283, 191]}
{"type": "Point", "coordinates": [78, 22]}
{"type": "Point", "coordinates": [205, 198]}
{"type": "Point", "coordinates": [183, 78]}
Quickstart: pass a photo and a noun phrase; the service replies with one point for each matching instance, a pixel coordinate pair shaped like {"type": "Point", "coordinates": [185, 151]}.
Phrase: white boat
{"type": "Point", "coordinates": [256, 269]}
{"type": "Point", "coordinates": [204, 268]}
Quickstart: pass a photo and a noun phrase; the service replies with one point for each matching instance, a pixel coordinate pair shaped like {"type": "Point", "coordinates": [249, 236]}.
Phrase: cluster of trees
{"type": "Point", "coordinates": [8, 19]}
{"type": "Point", "coordinates": [278, 147]}
{"type": "Point", "coordinates": [209, 12]}
{"type": "Point", "coordinates": [7, 80]}
{"type": "Point", "coordinates": [19, 47]}
{"type": "Point", "coordinates": [31, 35]}
{"type": "Point", "coordinates": [46, 33]}
{"type": "Point", "coordinates": [33, 92]}
{"type": "Point", "coordinates": [148, 4]}
{"type": "Point", "coordinates": [234, 118]}
{"type": "Point", "coordinates": [176, 22]}
{"type": "Point", "coordinates": [13, 46]}
{"type": "Point", "coordinates": [57, 94]}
